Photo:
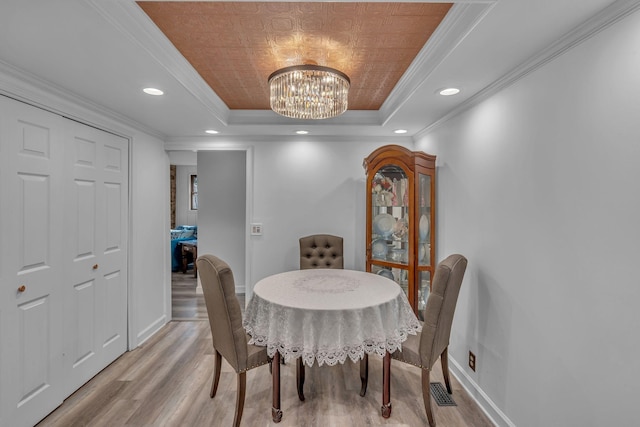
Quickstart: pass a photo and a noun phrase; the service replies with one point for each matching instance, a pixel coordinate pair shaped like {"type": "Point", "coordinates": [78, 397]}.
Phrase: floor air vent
{"type": "Point", "coordinates": [440, 395]}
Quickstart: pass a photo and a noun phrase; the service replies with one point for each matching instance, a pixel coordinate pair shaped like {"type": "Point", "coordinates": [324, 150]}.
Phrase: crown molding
{"type": "Point", "coordinates": [268, 117]}
{"type": "Point", "coordinates": [457, 24]}
{"type": "Point", "coordinates": [602, 20]}
{"type": "Point", "coordinates": [128, 18]}
{"type": "Point", "coordinates": [226, 142]}
{"type": "Point", "coordinates": [28, 88]}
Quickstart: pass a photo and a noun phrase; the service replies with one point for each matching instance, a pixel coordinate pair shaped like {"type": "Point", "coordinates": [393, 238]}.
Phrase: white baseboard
{"type": "Point", "coordinates": [150, 330]}
{"type": "Point", "coordinates": [240, 289]}
{"type": "Point", "coordinates": [494, 413]}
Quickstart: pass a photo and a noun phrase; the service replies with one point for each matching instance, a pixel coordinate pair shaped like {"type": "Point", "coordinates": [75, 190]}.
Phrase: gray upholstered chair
{"type": "Point", "coordinates": [423, 350]}
{"type": "Point", "coordinates": [321, 251]}
{"type": "Point", "coordinates": [229, 337]}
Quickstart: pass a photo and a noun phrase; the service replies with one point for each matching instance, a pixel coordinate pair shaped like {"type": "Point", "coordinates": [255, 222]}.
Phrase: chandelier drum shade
{"type": "Point", "coordinates": [309, 92]}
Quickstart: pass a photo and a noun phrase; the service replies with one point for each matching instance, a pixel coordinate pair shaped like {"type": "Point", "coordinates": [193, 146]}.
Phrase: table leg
{"type": "Point", "coordinates": [276, 412]}
{"type": "Point", "coordinates": [300, 378]}
{"type": "Point", "coordinates": [364, 374]}
{"type": "Point", "coordinates": [386, 386]}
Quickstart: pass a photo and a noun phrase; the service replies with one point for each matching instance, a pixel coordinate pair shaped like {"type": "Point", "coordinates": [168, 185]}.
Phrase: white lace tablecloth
{"type": "Point", "coordinates": [328, 315]}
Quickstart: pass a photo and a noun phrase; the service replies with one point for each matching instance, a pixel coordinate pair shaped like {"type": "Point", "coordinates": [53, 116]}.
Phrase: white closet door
{"type": "Point", "coordinates": [63, 258]}
{"type": "Point", "coordinates": [95, 313]}
{"type": "Point", "coordinates": [32, 268]}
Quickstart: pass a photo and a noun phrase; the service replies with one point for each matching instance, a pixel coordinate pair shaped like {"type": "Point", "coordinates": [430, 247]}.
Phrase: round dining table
{"type": "Point", "coordinates": [325, 316]}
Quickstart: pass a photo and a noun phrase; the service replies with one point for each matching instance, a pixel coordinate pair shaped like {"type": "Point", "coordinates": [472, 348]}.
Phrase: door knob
{"type": "Point", "coordinates": [95, 266]}
{"type": "Point", "coordinates": [22, 288]}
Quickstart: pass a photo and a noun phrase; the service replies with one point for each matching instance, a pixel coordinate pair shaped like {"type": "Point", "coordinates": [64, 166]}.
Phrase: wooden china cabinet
{"type": "Point", "coordinates": [401, 219]}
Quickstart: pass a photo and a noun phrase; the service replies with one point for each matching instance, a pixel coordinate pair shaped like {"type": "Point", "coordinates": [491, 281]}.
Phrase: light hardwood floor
{"type": "Point", "coordinates": [166, 381]}
{"type": "Point", "coordinates": [186, 303]}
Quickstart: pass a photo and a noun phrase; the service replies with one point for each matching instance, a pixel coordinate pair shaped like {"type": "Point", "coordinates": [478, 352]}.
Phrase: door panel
{"type": "Point", "coordinates": [32, 199]}
{"type": "Point", "coordinates": [30, 303]}
{"type": "Point", "coordinates": [81, 291]}
{"type": "Point", "coordinates": [113, 229]}
{"type": "Point", "coordinates": [35, 330]}
{"type": "Point", "coordinates": [95, 321]}
{"type": "Point", "coordinates": [84, 298]}
{"type": "Point", "coordinates": [85, 197]}
{"type": "Point", "coordinates": [115, 176]}
{"type": "Point", "coordinates": [115, 320]}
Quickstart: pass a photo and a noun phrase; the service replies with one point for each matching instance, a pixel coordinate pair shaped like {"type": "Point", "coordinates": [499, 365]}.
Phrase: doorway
{"type": "Point", "coordinates": [224, 206]}
{"type": "Point", "coordinates": [186, 302]}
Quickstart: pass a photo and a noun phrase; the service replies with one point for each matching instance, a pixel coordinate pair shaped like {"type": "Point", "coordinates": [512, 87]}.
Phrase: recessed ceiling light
{"type": "Point", "coordinates": [400, 131]}
{"type": "Point", "coordinates": [211, 131]}
{"type": "Point", "coordinates": [302, 132]}
{"type": "Point", "coordinates": [152, 91]}
{"type": "Point", "coordinates": [449, 91]}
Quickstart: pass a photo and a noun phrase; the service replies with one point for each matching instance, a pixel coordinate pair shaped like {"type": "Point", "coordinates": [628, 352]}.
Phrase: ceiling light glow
{"type": "Point", "coordinates": [302, 132]}
{"type": "Point", "coordinates": [449, 91]}
{"type": "Point", "coordinates": [211, 131]}
{"type": "Point", "coordinates": [152, 91]}
{"type": "Point", "coordinates": [400, 131]}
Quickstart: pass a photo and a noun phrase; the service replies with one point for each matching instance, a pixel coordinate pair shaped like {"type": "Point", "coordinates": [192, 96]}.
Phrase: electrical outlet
{"type": "Point", "coordinates": [472, 361]}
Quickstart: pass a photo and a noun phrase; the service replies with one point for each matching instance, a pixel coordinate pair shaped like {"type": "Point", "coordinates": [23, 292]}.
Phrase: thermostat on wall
{"type": "Point", "coordinates": [256, 229]}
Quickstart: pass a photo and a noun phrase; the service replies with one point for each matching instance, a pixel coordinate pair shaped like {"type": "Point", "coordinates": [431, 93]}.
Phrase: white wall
{"type": "Point", "coordinates": [183, 158]}
{"type": "Point", "coordinates": [221, 190]}
{"type": "Point", "coordinates": [150, 286]}
{"type": "Point", "coordinates": [538, 187]}
{"type": "Point", "coordinates": [184, 214]}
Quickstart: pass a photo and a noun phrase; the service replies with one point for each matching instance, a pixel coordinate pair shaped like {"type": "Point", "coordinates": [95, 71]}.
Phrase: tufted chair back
{"type": "Point", "coordinates": [321, 251]}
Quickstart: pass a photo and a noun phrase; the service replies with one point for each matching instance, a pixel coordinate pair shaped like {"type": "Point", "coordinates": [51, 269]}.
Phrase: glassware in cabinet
{"type": "Point", "coordinates": [400, 218]}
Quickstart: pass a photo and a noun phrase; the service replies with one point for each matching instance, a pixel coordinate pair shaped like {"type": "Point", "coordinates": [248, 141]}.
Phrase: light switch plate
{"type": "Point", "coordinates": [256, 229]}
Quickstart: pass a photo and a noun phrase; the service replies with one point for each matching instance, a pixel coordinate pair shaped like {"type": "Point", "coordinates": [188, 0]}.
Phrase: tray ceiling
{"type": "Point", "coordinates": [235, 46]}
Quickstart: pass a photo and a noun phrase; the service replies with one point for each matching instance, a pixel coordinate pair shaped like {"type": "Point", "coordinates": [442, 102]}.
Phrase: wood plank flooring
{"type": "Point", "coordinates": [186, 302]}
{"type": "Point", "coordinates": [166, 381]}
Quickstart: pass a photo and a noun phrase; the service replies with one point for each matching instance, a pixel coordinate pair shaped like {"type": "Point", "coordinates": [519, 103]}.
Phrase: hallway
{"type": "Point", "coordinates": [186, 302]}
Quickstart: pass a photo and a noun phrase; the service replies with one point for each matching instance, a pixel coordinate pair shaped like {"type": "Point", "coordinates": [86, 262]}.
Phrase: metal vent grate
{"type": "Point", "coordinates": [440, 395]}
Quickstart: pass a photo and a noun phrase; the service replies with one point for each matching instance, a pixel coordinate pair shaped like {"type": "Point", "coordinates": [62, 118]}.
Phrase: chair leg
{"type": "Point", "coordinates": [444, 360]}
{"type": "Point", "coordinates": [300, 378]}
{"type": "Point", "coordinates": [426, 397]}
{"type": "Point", "coordinates": [276, 411]}
{"type": "Point", "coordinates": [216, 374]}
{"type": "Point", "coordinates": [386, 386]}
{"type": "Point", "coordinates": [364, 374]}
{"type": "Point", "coordinates": [242, 388]}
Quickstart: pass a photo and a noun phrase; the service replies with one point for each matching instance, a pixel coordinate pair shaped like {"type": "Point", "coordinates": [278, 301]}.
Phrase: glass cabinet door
{"type": "Point", "coordinates": [424, 287]}
{"type": "Point", "coordinates": [424, 220]}
{"type": "Point", "coordinates": [400, 219]}
{"type": "Point", "coordinates": [424, 241]}
{"type": "Point", "coordinates": [390, 215]}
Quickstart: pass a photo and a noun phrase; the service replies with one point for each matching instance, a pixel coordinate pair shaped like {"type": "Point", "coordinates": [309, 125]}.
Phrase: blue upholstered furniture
{"type": "Point", "coordinates": [180, 234]}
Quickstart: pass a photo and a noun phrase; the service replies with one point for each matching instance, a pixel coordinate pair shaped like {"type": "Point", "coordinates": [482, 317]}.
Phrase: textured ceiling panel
{"type": "Point", "coordinates": [235, 46]}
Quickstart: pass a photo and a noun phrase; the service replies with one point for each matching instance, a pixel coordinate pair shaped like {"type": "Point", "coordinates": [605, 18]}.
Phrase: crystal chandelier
{"type": "Point", "coordinates": [309, 92]}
